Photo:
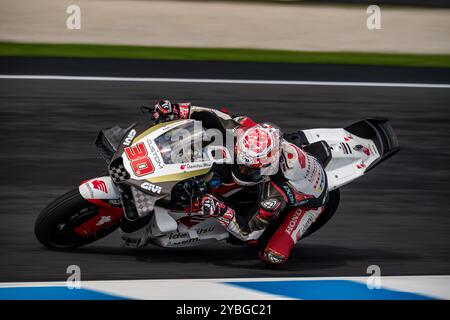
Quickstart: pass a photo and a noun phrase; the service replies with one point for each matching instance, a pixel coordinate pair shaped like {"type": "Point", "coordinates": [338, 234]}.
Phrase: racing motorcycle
{"type": "Point", "coordinates": [139, 165]}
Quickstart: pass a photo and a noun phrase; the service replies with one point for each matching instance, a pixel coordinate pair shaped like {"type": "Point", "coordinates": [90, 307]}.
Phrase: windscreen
{"type": "Point", "coordinates": [182, 144]}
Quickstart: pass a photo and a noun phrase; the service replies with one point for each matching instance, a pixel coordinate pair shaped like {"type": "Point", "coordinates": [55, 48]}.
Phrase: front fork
{"type": "Point", "coordinates": [102, 192]}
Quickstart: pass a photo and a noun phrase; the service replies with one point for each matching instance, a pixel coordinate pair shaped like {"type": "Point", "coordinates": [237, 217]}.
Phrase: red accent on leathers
{"type": "Point", "coordinates": [246, 123]}
{"type": "Point", "coordinates": [300, 156]}
{"type": "Point", "coordinates": [224, 110]}
{"type": "Point", "coordinates": [280, 191]}
{"type": "Point", "coordinates": [225, 188]}
{"type": "Point", "coordinates": [281, 242]}
{"type": "Point", "coordinates": [279, 247]}
{"type": "Point", "coordinates": [266, 215]}
{"type": "Point", "coordinates": [183, 110]}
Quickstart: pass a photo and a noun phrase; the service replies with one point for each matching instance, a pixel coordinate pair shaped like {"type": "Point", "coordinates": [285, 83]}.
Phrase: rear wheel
{"type": "Point", "coordinates": [330, 209]}
{"type": "Point", "coordinates": [54, 227]}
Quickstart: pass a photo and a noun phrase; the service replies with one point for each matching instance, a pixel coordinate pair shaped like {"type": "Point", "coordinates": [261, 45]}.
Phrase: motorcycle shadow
{"type": "Point", "coordinates": [307, 259]}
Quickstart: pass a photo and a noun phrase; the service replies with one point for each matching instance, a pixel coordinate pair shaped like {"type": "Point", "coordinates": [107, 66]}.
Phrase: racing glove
{"type": "Point", "coordinates": [163, 111]}
{"type": "Point", "coordinates": [227, 217]}
{"type": "Point", "coordinates": [166, 110]}
{"type": "Point", "coordinates": [211, 206]}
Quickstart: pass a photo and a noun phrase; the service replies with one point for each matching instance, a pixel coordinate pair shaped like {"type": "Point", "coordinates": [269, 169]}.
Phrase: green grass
{"type": "Point", "coordinates": [213, 54]}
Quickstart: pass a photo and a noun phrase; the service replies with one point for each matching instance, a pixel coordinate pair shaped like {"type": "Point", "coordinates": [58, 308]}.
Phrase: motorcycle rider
{"type": "Point", "coordinates": [290, 199]}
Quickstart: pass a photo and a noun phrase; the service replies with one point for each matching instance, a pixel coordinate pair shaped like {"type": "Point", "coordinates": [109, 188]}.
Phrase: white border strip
{"type": "Point", "coordinates": [211, 289]}
{"type": "Point", "coordinates": [230, 81]}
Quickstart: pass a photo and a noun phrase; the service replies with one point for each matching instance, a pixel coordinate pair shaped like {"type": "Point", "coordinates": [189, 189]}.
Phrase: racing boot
{"type": "Point", "coordinates": [288, 233]}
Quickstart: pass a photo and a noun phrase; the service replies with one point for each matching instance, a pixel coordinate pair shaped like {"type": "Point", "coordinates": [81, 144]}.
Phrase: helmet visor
{"type": "Point", "coordinates": [246, 175]}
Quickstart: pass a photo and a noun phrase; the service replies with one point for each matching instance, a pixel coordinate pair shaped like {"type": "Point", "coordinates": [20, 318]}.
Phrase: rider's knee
{"type": "Point", "coordinates": [272, 257]}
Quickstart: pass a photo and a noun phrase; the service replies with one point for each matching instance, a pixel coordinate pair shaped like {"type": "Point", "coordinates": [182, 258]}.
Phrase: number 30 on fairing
{"type": "Point", "coordinates": [139, 161]}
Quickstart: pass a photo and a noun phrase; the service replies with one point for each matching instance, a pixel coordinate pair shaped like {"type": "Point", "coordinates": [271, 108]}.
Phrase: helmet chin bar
{"type": "Point", "coordinates": [243, 179]}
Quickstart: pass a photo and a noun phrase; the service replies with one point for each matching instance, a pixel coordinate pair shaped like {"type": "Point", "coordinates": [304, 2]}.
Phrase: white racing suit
{"type": "Point", "coordinates": [290, 200]}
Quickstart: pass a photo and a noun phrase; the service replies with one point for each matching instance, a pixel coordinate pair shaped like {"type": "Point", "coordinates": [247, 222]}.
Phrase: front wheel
{"type": "Point", "coordinates": [54, 227]}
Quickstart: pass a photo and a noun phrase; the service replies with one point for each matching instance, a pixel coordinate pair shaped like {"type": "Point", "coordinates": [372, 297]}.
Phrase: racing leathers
{"type": "Point", "coordinates": [291, 199]}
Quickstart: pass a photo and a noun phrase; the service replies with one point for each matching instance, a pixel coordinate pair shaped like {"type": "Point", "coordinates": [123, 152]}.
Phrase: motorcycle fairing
{"type": "Point", "coordinates": [102, 192]}
{"type": "Point", "coordinates": [164, 169]}
{"type": "Point", "coordinates": [100, 188]}
{"type": "Point", "coordinates": [164, 172]}
{"type": "Point", "coordinates": [185, 231]}
{"type": "Point", "coordinates": [355, 149]}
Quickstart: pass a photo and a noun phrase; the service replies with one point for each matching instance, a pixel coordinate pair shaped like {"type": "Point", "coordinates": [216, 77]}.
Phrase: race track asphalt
{"type": "Point", "coordinates": [396, 217]}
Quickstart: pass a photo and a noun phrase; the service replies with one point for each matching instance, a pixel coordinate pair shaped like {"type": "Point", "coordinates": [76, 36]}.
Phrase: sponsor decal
{"type": "Point", "coordinates": [139, 161]}
{"type": "Point", "coordinates": [184, 110]}
{"type": "Point", "coordinates": [181, 235]}
{"type": "Point", "coordinates": [308, 168]}
{"type": "Point", "coordinates": [270, 204]}
{"type": "Point", "coordinates": [362, 148]}
{"type": "Point", "coordinates": [193, 240]}
{"type": "Point", "coordinates": [289, 194]}
{"type": "Point", "coordinates": [305, 224]}
{"type": "Point", "coordinates": [313, 172]}
{"type": "Point", "coordinates": [191, 166]}
{"type": "Point", "coordinates": [348, 138]}
{"type": "Point", "coordinates": [103, 220]}
{"type": "Point", "coordinates": [361, 165]}
{"type": "Point", "coordinates": [319, 184]}
{"type": "Point", "coordinates": [170, 125]}
{"type": "Point", "coordinates": [155, 154]}
{"type": "Point", "coordinates": [294, 222]}
{"type": "Point", "coordinates": [100, 185]}
{"type": "Point", "coordinates": [129, 139]}
{"type": "Point", "coordinates": [151, 187]}
{"type": "Point", "coordinates": [178, 235]}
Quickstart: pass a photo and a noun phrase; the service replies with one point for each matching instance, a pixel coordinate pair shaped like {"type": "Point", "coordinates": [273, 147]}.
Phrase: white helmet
{"type": "Point", "coordinates": [257, 153]}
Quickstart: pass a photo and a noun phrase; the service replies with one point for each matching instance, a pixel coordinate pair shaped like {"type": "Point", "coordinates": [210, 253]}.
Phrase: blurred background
{"type": "Point", "coordinates": [279, 25]}
{"type": "Point", "coordinates": [396, 217]}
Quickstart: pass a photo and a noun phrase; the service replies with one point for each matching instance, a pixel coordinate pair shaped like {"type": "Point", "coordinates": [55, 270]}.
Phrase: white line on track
{"type": "Point", "coordinates": [231, 81]}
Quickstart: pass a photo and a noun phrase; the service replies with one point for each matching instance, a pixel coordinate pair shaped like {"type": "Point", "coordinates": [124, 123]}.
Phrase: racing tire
{"type": "Point", "coordinates": [54, 225]}
{"type": "Point", "coordinates": [330, 210]}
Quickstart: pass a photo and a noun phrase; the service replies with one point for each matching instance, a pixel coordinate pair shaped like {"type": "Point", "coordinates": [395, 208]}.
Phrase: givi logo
{"type": "Point", "coordinates": [100, 185]}
{"type": "Point", "coordinates": [129, 138]}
